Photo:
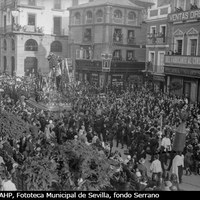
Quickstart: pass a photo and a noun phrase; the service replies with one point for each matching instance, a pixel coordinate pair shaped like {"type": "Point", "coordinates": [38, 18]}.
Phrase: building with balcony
{"type": "Point", "coordinates": [183, 60]}
{"type": "Point", "coordinates": [30, 30]}
{"type": "Point", "coordinates": [157, 42]}
{"type": "Point", "coordinates": [109, 30]}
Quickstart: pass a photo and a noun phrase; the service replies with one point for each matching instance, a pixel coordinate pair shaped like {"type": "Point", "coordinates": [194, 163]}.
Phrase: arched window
{"type": "Point", "coordinates": [131, 16]}
{"type": "Point", "coordinates": [31, 45]}
{"type": "Point", "coordinates": [99, 13]}
{"type": "Point", "coordinates": [77, 18]}
{"type": "Point", "coordinates": [118, 14]}
{"type": "Point", "coordinates": [99, 16]}
{"type": "Point", "coordinates": [13, 44]}
{"type": "Point", "coordinates": [56, 46]}
{"type": "Point", "coordinates": [4, 45]}
{"type": "Point", "coordinates": [89, 15]}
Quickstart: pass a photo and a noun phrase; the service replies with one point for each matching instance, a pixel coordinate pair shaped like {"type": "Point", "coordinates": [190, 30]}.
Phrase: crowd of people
{"type": "Point", "coordinates": [143, 121]}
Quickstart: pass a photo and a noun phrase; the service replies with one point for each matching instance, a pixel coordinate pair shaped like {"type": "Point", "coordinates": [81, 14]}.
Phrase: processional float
{"type": "Point", "coordinates": [52, 98]}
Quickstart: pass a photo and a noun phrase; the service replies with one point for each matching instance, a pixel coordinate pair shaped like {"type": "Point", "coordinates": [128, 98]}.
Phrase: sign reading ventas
{"type": "Point", "coordinates": [184, 16]}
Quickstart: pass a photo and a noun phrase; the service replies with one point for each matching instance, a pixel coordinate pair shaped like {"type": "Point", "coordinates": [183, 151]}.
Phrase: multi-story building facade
{"type": "Point", "coordinates": [183, 60]}
{"type": "Point", "coordinates": [157, 42]}
{"type": "Point", "coordinates": [30, 30]}
{"type": "Point", "coordinates": [110, 29]}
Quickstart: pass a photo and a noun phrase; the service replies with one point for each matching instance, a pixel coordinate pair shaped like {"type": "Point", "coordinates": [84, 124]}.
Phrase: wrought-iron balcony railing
{"type": "Point", "coordinates": [87, 39]}
{"type": "Point", "coordinates": [27, 28]}
{"type": "Point", "coordinates": [156, 35]}
{"type": "Point", "coordinates": [131, 41]}
{"type": "Point", "coordinates": [118, 20]}
{"type": "Point", "coordinates": [156, 38]}
{"type": "Point", "coordinates": [117, 58]}
{"type": "Point", "coordinates": [89, 21]}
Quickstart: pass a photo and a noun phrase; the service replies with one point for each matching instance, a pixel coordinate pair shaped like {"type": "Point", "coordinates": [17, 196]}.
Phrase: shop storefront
{"type": "Point", "coordinates": [188, 79]}
{"type": "Point", "coordinates": [159, 82]}
{"type": "Point", "coordinates": [95, 79]}
{"type": "Point", "coordinates": [117, 80]}
{"type": "Point", "coordinates": [119, 74]}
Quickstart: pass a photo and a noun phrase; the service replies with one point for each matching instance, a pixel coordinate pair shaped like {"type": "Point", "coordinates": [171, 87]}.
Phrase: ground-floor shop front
{"type": "Point", "coordinates": [159, 83]}
{"type": "Point", "coordinates": [114, 80]}
{"type": "Point", "coordinates": [120, 75]}
{"type": "Point", "coordinates": [184, 82]}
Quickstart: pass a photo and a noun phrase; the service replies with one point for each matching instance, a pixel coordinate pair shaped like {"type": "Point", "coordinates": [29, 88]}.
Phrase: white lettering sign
{"type": "Point", "coordinates": [183, 16]}
{"type": "Point", "coordinates": [182, 60]}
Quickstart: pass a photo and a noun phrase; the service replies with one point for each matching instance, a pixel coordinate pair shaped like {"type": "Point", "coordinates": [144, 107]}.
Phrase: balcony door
{"type": "Point", "coordinates": [163, 32]}
{"type": "Point", "coordinates": [161, 56]}
{"type": "Point", "coordinates": [192, 47]}
{"type": "Point", "coordinates": [179, 46]}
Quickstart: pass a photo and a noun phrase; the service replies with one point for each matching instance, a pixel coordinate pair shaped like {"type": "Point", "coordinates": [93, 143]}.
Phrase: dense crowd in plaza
{"type": "Point", "coordinates": [142, 120]}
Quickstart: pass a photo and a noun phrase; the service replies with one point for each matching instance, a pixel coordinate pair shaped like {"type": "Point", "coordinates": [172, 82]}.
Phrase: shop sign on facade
{"type": "Point", "coordinates": [159, 78]}
{"type": "Point", "coordinates": [182, 60]}
{"type": "Point", "coordinates": [184, 16]}
{"type": "Point", "coordinates": [182, 71]}
{"type": "Point", "coordinates": [117, 80]}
